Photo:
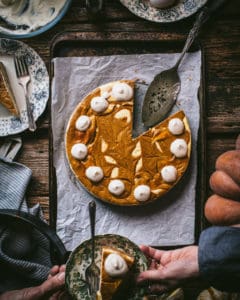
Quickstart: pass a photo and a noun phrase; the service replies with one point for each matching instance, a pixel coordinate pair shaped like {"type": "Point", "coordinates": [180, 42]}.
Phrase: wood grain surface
{"type": "Point", "coordinates": [220, 38]}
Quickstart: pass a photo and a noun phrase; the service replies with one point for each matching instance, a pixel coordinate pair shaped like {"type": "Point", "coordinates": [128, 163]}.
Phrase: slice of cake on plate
{"type": "Point", "coordinates": [115, 267]}
{"type": "Point", "coordinates": [7, 98]}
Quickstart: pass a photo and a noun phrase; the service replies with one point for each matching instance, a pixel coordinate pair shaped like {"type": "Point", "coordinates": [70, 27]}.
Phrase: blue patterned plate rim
{"type": "Point", "coordinates": [182, 9]}
{"type": "Point", "coordinates": [39, 94]}
{"type": "Point", "coordinates": [40, 30]}
{"type": "Point", "coordinates": [80, 258]}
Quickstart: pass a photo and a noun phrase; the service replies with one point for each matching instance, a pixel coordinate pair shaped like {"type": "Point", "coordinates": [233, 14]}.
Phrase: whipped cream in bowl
{"type": "Point", "coordinates": [25, 18]}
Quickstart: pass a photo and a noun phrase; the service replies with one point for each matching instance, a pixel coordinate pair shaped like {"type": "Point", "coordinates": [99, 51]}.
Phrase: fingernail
{"type": "Point", "coordinates": [61, 276]}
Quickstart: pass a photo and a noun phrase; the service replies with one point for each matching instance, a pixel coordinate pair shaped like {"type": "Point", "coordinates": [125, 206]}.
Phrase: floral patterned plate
{"type": "Point", "coordinates": [182, 9]}
{"type": "Point", "coordinates": [38, 87]}
{"type": "Point", "coordinates": [80, 259]}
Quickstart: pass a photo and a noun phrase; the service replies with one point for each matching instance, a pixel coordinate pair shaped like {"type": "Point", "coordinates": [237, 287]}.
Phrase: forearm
{"type": "Point", "coordinates": [219, 257]}
{"type": "Point", "coordinates": [28, 293]}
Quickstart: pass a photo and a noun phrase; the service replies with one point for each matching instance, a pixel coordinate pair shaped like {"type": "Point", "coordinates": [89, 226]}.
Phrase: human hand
{"type": "Point", "coordinates": [51, 289]}
{"type": "Point", "coordinates": [169, 268]}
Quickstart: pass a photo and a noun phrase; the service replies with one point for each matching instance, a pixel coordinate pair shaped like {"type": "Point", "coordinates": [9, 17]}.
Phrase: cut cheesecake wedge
{"type": "Point", "coordinates": [7, 98]}
{"type": "Point", "coordinates": [115, 266]}
{"type": "Point", "coordinates": [113, 165]}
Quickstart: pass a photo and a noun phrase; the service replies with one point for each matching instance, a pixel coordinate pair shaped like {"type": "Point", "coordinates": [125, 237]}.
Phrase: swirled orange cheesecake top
{"type": "Point", "coordinates": [110, 163]}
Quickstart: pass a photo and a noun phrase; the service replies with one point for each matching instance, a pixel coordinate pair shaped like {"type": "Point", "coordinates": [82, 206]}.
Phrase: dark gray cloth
{"type": "Point", "coordinates": [14, 179]}
{"type": "Point", "coordinates": [219, 257]}
{"type": "Point", "coordinates": [24, 252]}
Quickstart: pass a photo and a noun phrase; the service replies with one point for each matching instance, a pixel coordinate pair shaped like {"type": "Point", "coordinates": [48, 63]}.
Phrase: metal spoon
{"type": "Point", "coordinates": [163, 90]}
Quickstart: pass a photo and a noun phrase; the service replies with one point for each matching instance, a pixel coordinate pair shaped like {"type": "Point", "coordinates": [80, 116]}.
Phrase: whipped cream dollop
{"type": "Point", "coordinates": [169, 173]}
{"type": "Point", "coordinates": [115, 265]}
{"type": "Point", "coordinates": [116, 187]}
{"type": "Point", "coordinates": [179, 148]}
{"type": "Point", "coordinates": [83, 123]}
{"type": "Point", "coordinates": [176, 126]}
{"type": "Point", "coordinates": [94, 173]}
{"type": "Point", "coordinates": [99, 104]}
{"type": "Point", "coordinates": [121, 91]}
{"type": "Point", "coordinates": [142, 192]}
{"type": "Point", "coordinates": [79, 151]}
{"type": "Point", "coordinates": [161, 3]}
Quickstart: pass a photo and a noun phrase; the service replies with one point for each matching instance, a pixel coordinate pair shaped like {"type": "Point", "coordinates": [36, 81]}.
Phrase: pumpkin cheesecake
{"type": "Point", "coordinates": [7, 98]}
{"type": "Point", "coordinates": [110, 163]}
{"type": "Point", "coordinates": [115, 266]}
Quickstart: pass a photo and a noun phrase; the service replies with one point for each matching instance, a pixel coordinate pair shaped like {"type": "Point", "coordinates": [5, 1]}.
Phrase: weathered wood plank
{"type": "Point", "coordinates": [44, 203]}
{"type": "Point", "coordinates": [115, 10]}
{"type": "Point", "coordinates": [34, 154]}
{"type": "Point", "coordinates": [221, 43]}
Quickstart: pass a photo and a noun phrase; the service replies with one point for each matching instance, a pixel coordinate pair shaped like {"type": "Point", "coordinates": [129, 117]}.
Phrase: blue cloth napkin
{"type": "Point", "coordinates": [24, 251]}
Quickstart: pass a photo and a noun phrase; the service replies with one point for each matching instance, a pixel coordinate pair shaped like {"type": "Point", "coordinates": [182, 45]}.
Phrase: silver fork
{"type": "Point", "coordinates": [92, 272]}
{"type": "Point", "coordinates": [23, 76]}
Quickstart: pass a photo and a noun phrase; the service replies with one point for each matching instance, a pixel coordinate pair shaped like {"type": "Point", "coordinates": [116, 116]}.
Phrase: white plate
{"type": "Point", "coordinates": [38, 87]}
{"type": "Point", "coordinates": [182, 9]}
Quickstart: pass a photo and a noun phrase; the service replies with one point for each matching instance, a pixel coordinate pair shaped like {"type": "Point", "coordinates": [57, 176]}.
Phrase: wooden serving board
{"type": "Point", "coordinates": [79, 44]}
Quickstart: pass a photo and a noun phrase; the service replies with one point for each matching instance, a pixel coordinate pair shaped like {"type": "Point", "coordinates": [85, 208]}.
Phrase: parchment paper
{"type": "Point", "coordinates": [168, 221]}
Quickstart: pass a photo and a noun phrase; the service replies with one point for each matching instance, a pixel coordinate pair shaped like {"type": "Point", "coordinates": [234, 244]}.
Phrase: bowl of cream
{"type": "Point", "coordinates": [28, 18]}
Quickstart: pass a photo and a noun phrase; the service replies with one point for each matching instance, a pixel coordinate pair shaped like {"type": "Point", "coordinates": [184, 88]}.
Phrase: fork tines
{"type": "Point", "coordinates": [20, 66]}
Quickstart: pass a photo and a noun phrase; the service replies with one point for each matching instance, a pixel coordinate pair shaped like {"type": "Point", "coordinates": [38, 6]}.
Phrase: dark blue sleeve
{"type": "Point", "coordinates": [219, 257]}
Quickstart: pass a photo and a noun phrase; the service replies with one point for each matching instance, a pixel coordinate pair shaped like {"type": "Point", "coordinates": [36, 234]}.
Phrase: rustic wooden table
{"type": "Point", "coordinates": [221, 43]}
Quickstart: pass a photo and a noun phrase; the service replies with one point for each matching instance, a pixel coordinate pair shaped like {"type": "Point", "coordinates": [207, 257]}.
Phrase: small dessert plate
{"type": "Point", "coordinates": [80, 259]}
{"type": "Point", "coordinates": [182, 9]}
{"type": "Point", "coordinates": [38, 87]}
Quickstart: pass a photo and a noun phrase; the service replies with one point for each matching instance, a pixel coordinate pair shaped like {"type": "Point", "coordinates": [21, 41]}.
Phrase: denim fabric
{"type": "Point", "coordinates": [219, 257]}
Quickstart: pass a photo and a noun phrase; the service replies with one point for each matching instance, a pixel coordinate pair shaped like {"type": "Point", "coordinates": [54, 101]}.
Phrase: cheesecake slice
{"type": "Point", "coordinates": [7, 98]}
{"type": "Point", "coordinates": [115, 267]}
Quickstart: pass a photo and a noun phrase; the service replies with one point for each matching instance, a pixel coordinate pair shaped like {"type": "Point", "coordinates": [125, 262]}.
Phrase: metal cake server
{"type": "Point", "coordinates": [162, 92]}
